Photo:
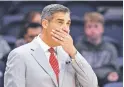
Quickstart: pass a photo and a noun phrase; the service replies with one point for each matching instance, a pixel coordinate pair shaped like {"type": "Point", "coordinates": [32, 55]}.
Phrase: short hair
{"type": "Point", "coordinates": [30, 15]}
{"type": "Point", "coordinates": [94, 17]}
{"type": "Point", "coordinates": [49, 10]}
{"type": "Point", "coordinates": [31, 25]}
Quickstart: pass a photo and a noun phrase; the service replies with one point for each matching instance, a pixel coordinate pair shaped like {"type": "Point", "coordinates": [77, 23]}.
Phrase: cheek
{"type": "Point", "coordinates": [52, 26]}
{"type": "Point", "coordinates": [49, 28]}
{"type": "Point", "coordinates": [87, 32]}
{"type": "Point", "coordinates": [99, 31]}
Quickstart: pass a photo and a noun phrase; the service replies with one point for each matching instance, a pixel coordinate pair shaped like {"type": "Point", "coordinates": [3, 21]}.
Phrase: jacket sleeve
{"type": "Point", "coordinates": [84, 73]}
{"type": "Point", "coordinates": [15, 71]}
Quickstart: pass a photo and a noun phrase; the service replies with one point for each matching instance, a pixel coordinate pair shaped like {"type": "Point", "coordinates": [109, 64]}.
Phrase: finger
{"type": "Point", "coordinates": [63, 34]}
{"type": "Point", "coordinates": [58, 33]}
{"type": "Point", "coordinates": [57, 36]}
{"type": "Point", "coordinates": [61, 30]}
{"type": "Point", "coordinates": [57, 40]}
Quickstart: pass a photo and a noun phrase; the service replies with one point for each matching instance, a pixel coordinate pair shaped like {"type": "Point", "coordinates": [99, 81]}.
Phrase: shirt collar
{"type": "Point", "coordinates": [44, 46]}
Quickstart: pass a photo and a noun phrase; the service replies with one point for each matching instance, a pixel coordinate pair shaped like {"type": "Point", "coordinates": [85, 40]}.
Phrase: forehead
{"type": "Point", "coordinates": [61, 15]}
{"type": "Point", "coordinates": [93, 22]}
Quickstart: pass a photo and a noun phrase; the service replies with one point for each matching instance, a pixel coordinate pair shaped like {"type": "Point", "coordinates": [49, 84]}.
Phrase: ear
{"type": "Point", "coordinates": [44, 23]}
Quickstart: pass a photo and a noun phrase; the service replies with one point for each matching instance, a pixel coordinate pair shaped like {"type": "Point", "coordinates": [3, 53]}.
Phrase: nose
{"type": "Point", "coordinates": [66, 29]}
{"type": "Point", "coordinates": [93, 29]}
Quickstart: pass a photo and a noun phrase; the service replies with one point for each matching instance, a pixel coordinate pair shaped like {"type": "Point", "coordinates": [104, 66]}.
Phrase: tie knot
{"type": "Point", "coordinates": [51, 50]}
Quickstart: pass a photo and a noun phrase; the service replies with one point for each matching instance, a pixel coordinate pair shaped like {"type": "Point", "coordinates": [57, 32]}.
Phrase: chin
{"type": "Point", "coordinates": [56, 44]}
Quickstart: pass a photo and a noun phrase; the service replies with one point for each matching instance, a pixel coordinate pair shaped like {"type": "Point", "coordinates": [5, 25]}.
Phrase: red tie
{"type": "Point", "coordinates": [54, 63]}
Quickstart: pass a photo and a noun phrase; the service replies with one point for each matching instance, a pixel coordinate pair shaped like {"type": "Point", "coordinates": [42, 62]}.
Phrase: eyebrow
{"type": "Point", "coordinates": [60, 19]}
{"type": "Point", "coordinates": [63, 20]}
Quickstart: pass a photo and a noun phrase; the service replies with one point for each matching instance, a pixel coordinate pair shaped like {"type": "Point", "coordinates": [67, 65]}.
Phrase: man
{"type": "Point", "coordinates": [51, 59]}
{"type": "Point", "coordinates": [31, 30]}
{"type": "Point", "coordinates": [100, 54]}
{"type": "Point", "coordinates": [4, 51]}
{"type": "Point", "coordinates": [30, 17]}
{"type": "Point", "coordinates": [4, 48]}
{"type": "Point", "coordinates": [2, 70]}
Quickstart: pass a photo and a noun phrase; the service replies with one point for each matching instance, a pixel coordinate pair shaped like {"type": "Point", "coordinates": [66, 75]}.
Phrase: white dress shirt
{"type": "Point", "coordinates": [45, 48]}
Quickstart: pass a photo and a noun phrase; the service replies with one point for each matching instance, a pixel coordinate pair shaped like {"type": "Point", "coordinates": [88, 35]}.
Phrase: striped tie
{"type": "Point", "coordinates": [54, 63]}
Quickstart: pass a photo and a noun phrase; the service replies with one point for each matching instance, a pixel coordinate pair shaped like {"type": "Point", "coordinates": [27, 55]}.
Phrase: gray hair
{"type": "Point", "coordinates": [49, 10]}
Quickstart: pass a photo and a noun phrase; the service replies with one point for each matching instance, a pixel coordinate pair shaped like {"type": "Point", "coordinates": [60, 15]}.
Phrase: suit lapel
{"type": "Point", "coordinates": [41, 59]}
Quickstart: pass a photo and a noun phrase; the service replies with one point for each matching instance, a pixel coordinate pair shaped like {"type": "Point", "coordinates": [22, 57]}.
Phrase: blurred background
{"type": "Point", "coordinates": [13, 20]}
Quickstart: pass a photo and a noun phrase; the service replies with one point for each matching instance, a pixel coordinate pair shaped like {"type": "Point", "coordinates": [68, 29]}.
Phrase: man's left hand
{"type": "Point", "coordinates": [66, 41]}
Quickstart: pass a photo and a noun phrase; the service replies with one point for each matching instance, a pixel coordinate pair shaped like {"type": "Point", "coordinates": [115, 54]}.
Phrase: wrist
{"type": "Point", "coordinates": [73, 53]}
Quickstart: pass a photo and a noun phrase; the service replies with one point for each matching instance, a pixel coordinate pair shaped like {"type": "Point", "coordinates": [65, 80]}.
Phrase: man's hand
{"type": "Point", "coordinates": [113, 76]}
{"type": "Point", "coordinates": [61, 36]}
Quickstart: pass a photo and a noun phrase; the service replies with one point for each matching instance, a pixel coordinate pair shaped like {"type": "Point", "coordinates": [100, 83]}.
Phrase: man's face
{"type": "Point", "coordinates": [31, 33]}
{"type": "Point", "coordinates": [60, 20]}
{"type": "Point", "coordinates": [93, 30]}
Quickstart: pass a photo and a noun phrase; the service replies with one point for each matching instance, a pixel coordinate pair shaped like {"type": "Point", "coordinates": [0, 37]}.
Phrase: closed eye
{"type": "Point", "coordinates": [60, 22]}
{"type": "Point", "coordinates": [68, 23]}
